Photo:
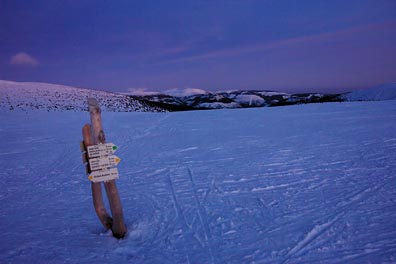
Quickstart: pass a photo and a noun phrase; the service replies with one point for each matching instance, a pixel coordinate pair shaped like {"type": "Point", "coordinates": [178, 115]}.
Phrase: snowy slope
{"type": "Point", "coordinates": [378, 93]}
{"type": "Point", "coordinates": [297, 184]}
{"type": "Point", "coordinates": [52, 97]}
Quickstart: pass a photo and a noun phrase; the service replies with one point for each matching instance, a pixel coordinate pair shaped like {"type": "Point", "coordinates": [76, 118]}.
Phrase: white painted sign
{"type": "Point", "coordinates": [104, 162]}
{"type": "Point", "coordinates": [101, 150]}
{"type": "Point", "coordinates": [104, 175]}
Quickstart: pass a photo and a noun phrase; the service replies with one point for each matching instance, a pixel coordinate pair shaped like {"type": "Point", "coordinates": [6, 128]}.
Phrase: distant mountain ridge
{"type": "Point", "coordinates": [256, 98]}
{"type": "Point", "coordinates": [52, 97]}
{"type": "Point", "coordinates": [237, 99]}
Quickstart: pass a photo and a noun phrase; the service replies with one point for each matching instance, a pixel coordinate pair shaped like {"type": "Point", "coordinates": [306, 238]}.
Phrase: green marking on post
{"type": "Point", "coordinates": [114, 147]}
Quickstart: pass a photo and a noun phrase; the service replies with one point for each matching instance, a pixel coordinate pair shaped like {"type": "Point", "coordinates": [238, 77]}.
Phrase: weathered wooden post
{"type": "Point", "coordinates": [96, 187]}
{"type": "Point", "coordinates": [94, 135]}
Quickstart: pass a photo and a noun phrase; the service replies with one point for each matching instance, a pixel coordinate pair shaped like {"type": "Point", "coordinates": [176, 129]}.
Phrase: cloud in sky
{"type": "Point", "coordinates": [23, 58]}
{"type": "Point", "coordinates": [309, 39]}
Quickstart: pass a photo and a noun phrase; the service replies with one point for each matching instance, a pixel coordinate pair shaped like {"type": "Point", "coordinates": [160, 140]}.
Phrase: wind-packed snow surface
{"type": "Point", "coordinates": [299, 184]}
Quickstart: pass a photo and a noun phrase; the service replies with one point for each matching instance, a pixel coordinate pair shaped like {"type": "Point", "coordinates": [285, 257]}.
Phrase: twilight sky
{"type": "Point", "coordinates": [290, 46]}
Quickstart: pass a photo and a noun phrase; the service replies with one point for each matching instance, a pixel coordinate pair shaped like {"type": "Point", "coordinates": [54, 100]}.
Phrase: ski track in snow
{"type": "Point", "coordinates": [300, 184]}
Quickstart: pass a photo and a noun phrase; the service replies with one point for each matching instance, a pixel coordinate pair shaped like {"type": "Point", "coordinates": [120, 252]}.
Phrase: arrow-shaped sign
{"type": "Point", "coordinates": [104, 162]}
{"type": "Point", "coordinates": [104, 175]}
{"type": "Point", "coordinates": [101, 150]}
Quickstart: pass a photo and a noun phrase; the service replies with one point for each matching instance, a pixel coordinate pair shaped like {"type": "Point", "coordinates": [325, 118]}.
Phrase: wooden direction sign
{"type": "Point", "coordinates": [104, 175]}
{"type": "Point", "coordinates": [103, 162]}
{"type": "Point", "coordinates": [101, 150]}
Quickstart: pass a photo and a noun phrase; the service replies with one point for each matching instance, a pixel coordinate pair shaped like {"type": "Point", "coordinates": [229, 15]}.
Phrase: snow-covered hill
{"type": "Point", "coordinates": [298, 184]}
{"type": "Point", "coordinates": [378, 93]}
{"type": "Point", "coordinates": [52, 97]}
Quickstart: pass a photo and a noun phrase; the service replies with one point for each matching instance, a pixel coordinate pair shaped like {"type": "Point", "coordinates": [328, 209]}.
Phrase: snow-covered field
{"type": "Point", "coordinates": [299, 184]}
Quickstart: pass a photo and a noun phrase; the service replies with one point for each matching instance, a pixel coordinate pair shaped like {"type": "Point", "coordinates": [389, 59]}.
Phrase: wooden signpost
{"type": "Point", "coordinates": [100, 168]}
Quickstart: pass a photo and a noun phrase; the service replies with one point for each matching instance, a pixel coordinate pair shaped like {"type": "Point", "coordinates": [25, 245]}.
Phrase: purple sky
{"type": "Point", "coordinates": [290, 46]}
